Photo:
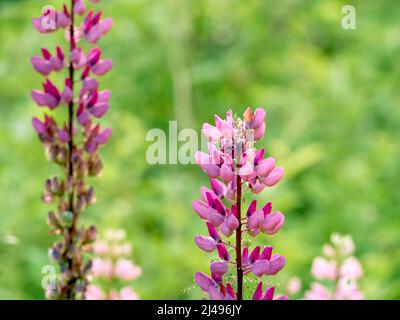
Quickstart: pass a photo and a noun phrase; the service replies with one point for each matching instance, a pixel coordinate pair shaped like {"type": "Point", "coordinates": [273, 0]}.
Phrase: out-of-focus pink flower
{"type": "Point", "coordinates": [100, 247]}
{"type": "Point", "coordinates": [323, 269]}
{"type": "Point", "coordinates": [127, 293]}
{"type": "Point", "coordinates": [126, 270]}
{"type": "Point", "coordinates": [94, 293]}
{"type": "Point", "coordinates": [339, 268]}
{"type": "Point", "coordinates": [347, 290]}
{"type": "Point", "coordinates": [351, 268]}
{"type": "Point", "coordinates": [102, 268]}
{"type": "Point", "coordinates": [294, 285]}
{"type": "Point", "coordinates": [318, 292]}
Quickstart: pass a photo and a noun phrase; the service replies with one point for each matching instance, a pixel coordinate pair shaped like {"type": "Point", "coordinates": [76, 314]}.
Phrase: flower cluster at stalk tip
{"type": "Point", "coordinates": [72, 143]}
{"type": "Point", "coordinates": [235, 166]}
{"type": "Point", "coordinates": [338, 269]}
{"type": "Point", "coordinates": [112, 268]}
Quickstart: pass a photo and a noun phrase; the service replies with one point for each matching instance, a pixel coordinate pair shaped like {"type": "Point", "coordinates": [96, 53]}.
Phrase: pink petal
{"type": "Point", "coordinates": [102, 67]}
{"type": "Point", "coordinates": [99, 109]}
{"type": "Point", "coordinates": [273, 222]}
{"type": "Point", "coordinates": [207, 244]}
{"type": "Point", "coordinates": [265, 167]}
{"type": "Point", "coordinates": [220, 267]}
{"type": "Point", "coordinates": [39, 97]}
{"type": "Point", "coordinates": [204, 281]}
{"type": "Point", "coordinates": [42, 66]}
{"type": "Point", "coordinates": [258, 292]}
{"type": "Point", "coordinates": [39, 126]}
{"type": "Point", "coordinates": [274, 177]}
{"type": "Point", "coordinates": [103, 137]}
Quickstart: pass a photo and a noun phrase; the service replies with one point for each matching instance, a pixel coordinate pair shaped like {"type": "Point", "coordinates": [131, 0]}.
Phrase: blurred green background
{"type": "Point", "coordinates": [332, 99]}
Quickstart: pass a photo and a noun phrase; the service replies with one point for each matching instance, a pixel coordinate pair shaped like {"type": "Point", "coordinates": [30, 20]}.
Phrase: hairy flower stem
{"type": "Point", "coordinates": [69, 290]}
{"type": "Point", "coordinates": [239, 270]}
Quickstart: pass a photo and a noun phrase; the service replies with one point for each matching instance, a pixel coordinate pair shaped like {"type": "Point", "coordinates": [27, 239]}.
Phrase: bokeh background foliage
{"type": "Point", "coordinates": [332, 98]}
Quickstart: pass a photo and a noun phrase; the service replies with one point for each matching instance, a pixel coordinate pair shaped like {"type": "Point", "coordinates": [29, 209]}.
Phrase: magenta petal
{"type": "Point", "coordinates": [255, 254]}
{"type": "Point", "coordinates": [63, 135]}
{"type": "Point", "coordinates": [257, 187]}
{"type": "Point", "coordinates": [201, 208]}
{"type": "Point", "coordinates": [227, 173]}
{"type": "Point", "coordinates": [218, 187]}
{"type": "Point", "coordinates": [42, 66]}
{"type": "Point", "coordinates": [90, 84]}
{"type": "Point", "coordinates": [104, 96]}
{"type": "Point", "coordinates": [39, 126]}
{"type": "Point", "coordinates": [204, 281]}
{"type": "Point", "coordinates": [274, 177]}
{"type": "Point", "coordinates": [230, 291]}
{"type": "Point", "coordinates": [207, 244]}
{"type": "Point", "coordinates": [205, 162]}
{"type": "Point", "coordinates": [102, 67]}
{"type": "Point", "coordinates": [277, 263]}
{"type": "Point", "coordinates": [215, 294]}
{"type": "Point", "coordinates": [79, 7]}
{"type": "Point", "coordinates": [256, 219]}
{"type": "Point", "coordinates": [215, 218]}
{"type": "Point", "coordinates": [93, 35]}
{"type": "Point", "coordinates": [258, 292]}
{"type": "Point", "coordinates": [39, 98]}
{"type": "Point", "coordinates": [259, 132]}
{"type": "Point", "coordinates": [266, 253]}
{"type": "Point", "coordinates": [252, 208]}
{"type": "Point", "coordinates": [204, 191]}
{"type": "Point", "coordinates": [83, 118]}
{"type": "Point", "coordinates": [259, 118]}
{"type": "Point", "coordinates": [269, 294]}
{"type": "Point", "coordinates": [105, 25]}
{"type": "Point", "coordinates": [273, 222]}
{"type": "Point", "coordinates": [67, 95]}
{"type": "Point", "coordinates": [258, 157]}
{"type": "Point", "coordinates": [260, 267]}
{"type": "Point", "coordinates": [63, 21]}
{"type": "Point", "coordinates": [282, 298]}
{"type": "Point", "coordinates": [103, 137]}
{"type": "Point", "coordinates": [211, 132]}
{"type": "Point", "coordinates": [51, 101]}
{"type": "Point", "coordinates": [232, 222]}
{"type": "Point", "coordinates": [99, 109]}
{"type": "Point", "coordinates": [225, 230]}
{"type": "Point", "coordinates": [246, 170]}
{"type": "Point", "coordinates": [222, 252]}
{"type": "Point", "coordinates": [267, 209]}
{"type": "Point", "coordinates": [213, 232]}
{"type": "Point", "coordinates": [265, 167]}
{"type": "Point", "coordinates": [220, 267]}
{"type": "Point", "coordinates": [56, 63]}
{"type": "Point", "coordinates": [245, 256]}
{"type": "Point", "coordinates": [75, 55]}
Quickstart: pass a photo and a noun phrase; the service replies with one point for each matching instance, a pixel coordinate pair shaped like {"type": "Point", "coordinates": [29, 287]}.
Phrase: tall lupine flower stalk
{"type": "Point", "coordinates": [234, 166]}
{"type": "Point", "coordinates": [338, 271]}
{"type": "Point", "coordinates": [72, 144]}
{"type": "Point", "coordinates": [112, 268]}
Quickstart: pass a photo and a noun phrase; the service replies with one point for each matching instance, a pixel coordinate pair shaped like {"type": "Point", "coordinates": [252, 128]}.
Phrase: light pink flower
{"type": "Point", "coordinates": [323, 269]}
{"type": "Point", "coordinates": [102, 268]}
{"type": "Point", "coordinates": [126, 270]}
{"type": "Point", "coordinates": [94, 293]}
{"type": "Point", "coordinates": [318, 292]}
{"type": "Point", "coordinates": [127, 293]}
